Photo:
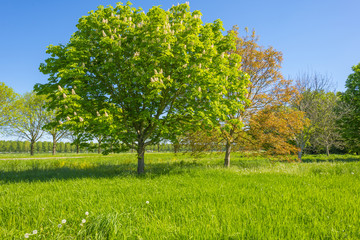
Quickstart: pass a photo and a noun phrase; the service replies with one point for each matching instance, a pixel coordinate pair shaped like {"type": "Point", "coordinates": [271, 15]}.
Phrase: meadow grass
{"type": "Point", "coordinates": [180, 197]}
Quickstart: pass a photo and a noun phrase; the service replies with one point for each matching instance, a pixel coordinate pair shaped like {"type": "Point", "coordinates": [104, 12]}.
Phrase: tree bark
{"type": "Point", "coordinates": [99, 147]}
{"type": "Point", "coordinates": [54, 145]}
{"type": "Point", "coordinates": [32, 147]}
{"type": "Point", "coordinates": [140, 156]}
{"type": "Point", "coordinates": [327, 150]}
{"type": "Point", "coordinates": [227, 154]}
{"type": "Point", "coordinates": [300, 152]}
{"type": "Point", "coordinates": [299, 155]}
{"type": "Point", "coordinates": [158, 146]}
{"type": "Point", "coordinates": [77, 148]}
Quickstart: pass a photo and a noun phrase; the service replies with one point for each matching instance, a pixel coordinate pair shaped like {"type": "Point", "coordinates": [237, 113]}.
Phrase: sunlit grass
{"type": "Point", "coordinates": [180, 197]}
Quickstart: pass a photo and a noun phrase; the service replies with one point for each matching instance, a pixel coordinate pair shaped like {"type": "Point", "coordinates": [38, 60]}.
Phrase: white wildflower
{"type": "Point", "coordinates": [83, 221]}
{"type": "Point", "coordinates": [200, 65]}
{"type": "Point", "coordinates": [63, 221]}
{"type": "Point", "coordinates": [81, 224]}
{"type": "Point", "coordinates": [204, 51]}
{"type": "Point", "coordinates": [103, 20]}
{"type": "Point", "coordinates": [130, 19]}
{"type": "Point", "coordinates": [59, 87]}
{"type": "Point", "coordinates": [103, 33]}
{"type": "Point", "coordinates": [188, 75]}
{"type": "Point", "coordinates": [112, 14]}
{"type": "Point", "coordinates": [75, 113]}
{"type": "Point", "coordinates": [60, 122]}
{"type": "Point", "coordinates": [68, 118]}
{"type": "Point", "coordinates": [199, 89]}
{"type": "Point", "coordinates": [125, 19]}
{"type": "Point", "coordinates": [169, 47]}
{"type": "Point", "coordinates": [212, 45]}
{"type": "Point", "coordinates": [26, 235]}
{"type": "Point", "coordinates": [59, 226]}
{"type": "Point", "coordinates": [168, 77]}
{"type": "Point", "coordinates": [222, 55]}
{"type": "Point", "coordinates": [81, 119]}
{"type": "Point", "coordinates": [187, 3]}
{"type": "Point", "coordinates": [106, 115]}
{"type": "Point", "coordinates": [97, 113]}
{"type": "Point", "coordinates": [35, 232]}
{"type": "Point", "coordinates": [155, 71]}
{"type": "Point", "coordinates": [147, 202]}
{"type": "Point", "coordinates": [112, 37]}
{"type": "Point", "coordinates": [64, 95]}
{"type": "Point", "coordinates": [161, 71]}
{"type": "Point", "coordinates": [86, 213]}
{"type": "Point", "coordinates": [185, 65]}
{"type": "Point", "coordinates": [73, 92]}
{"type": "Point", "coordinates": [114, 30]}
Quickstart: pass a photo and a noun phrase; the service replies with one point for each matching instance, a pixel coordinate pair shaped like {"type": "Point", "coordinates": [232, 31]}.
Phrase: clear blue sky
{"type": "Point", "coordinates": [321, 35]}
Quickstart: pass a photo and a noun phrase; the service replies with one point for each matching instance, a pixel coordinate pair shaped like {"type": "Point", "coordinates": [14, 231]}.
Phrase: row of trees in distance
{"type": "Point", "coordinates": [65, 147]}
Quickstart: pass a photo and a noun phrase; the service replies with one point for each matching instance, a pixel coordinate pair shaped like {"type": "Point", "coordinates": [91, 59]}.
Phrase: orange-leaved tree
{"type": "Point", "coordinates": [267, 90]}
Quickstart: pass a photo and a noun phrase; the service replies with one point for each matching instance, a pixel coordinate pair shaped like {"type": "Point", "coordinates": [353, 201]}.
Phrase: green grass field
{"type": "Point", "coordinates": [180, 197]}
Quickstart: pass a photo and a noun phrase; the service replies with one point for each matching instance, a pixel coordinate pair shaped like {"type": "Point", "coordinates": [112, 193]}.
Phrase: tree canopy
{"type": "Point", "coordinates": [350, 120]}
{"type": "Point", "coordinates": [7, 96]}
{"type": "Point", "coordinates": [142, 77]}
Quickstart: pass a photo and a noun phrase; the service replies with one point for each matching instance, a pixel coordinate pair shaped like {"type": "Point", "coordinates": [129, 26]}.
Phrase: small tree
{"type": "Point", "coordinates": [7, 97]}
{"type": "Point", "coordinates": [310, 87]}
{"type": "Point", "coordinates": [28, 118]}
{"type": "Point", "coordinates": [327, 130]}
{"type": "Point", "coordinates": [141, 76]}
{"type": "Point", "coordinates": [274, 129]}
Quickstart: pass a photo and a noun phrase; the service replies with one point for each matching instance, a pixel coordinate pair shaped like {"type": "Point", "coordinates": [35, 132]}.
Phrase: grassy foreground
{"type": "Point", "coordinates": [180, 197]}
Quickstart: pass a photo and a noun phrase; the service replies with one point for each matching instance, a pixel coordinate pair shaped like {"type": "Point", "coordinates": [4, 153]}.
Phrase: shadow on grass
{"type": "Point", "coordinates": [100, 171]}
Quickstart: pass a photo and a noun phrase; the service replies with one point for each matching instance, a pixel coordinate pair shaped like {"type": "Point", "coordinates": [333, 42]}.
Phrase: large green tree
{"type": "Point", "coordinates": [141, 77]}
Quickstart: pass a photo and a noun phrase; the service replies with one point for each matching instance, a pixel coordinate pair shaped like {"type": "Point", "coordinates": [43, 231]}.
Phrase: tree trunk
{"type": "Point", "coordinates": [140, 156]}
{"type": "Point", "coordinates": [327, 150]}
{"type": "Point", "coordinates": [54, 145]}
{"type": "Point", "coordinates": [99, 147]}
{"type": "Point", "coordinates": [227, 154]}
{"type": "Point", "coordinates": [32, 143]}
{"type": "Point", "coordinates": [299, 155]}
{"type": "Point", "coordinates": [176, 147]}
{"type": "Point", "coordinates": [158, 147]}
{"type": "Point", "coordinates": [77, 148]}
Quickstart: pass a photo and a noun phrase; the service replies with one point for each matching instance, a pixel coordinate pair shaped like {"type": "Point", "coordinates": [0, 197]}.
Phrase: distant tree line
{"type": "Point", "coordinates": [66, 147]}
